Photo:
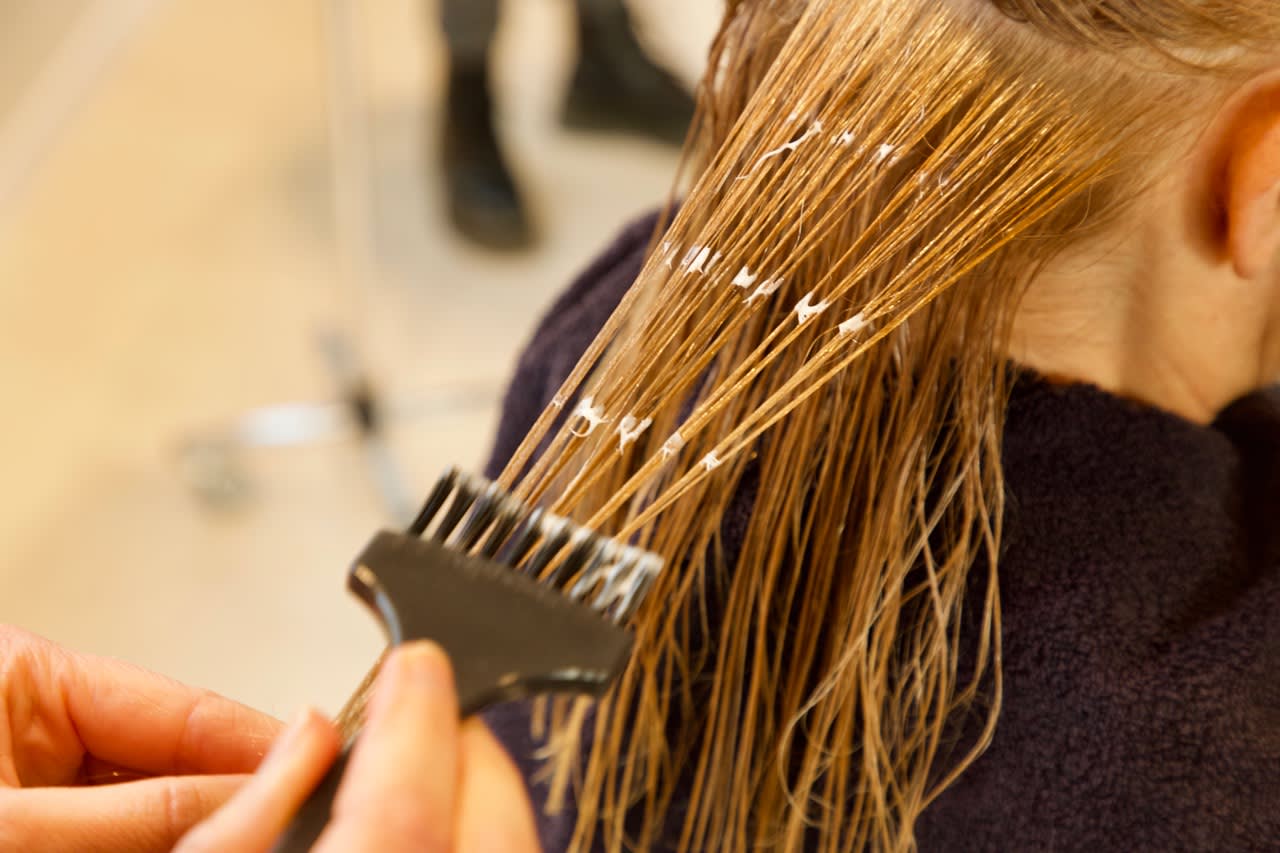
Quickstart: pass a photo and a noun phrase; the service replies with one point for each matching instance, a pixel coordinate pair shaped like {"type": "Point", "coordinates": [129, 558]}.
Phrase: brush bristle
{"type": "Point", "coordinates": [474, 516]}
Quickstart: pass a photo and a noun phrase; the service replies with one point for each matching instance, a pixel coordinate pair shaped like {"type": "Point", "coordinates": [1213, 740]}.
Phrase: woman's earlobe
{"type": "Point", "coordinates": [1251, 181]}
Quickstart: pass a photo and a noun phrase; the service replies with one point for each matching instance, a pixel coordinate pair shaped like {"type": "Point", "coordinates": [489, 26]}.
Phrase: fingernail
{"type": "Point", "coordinates": [423, 664]}
{"type": "Point", "coordinates": [292, 735]}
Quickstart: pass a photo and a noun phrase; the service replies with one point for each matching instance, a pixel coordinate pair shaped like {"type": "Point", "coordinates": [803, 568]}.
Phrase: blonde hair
{"type": "Point", "coordinates": [827, 315]}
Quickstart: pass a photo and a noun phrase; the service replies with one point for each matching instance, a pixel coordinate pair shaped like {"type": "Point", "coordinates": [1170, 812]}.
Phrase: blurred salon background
{"type": "Point", "coordinates": [225, 227]}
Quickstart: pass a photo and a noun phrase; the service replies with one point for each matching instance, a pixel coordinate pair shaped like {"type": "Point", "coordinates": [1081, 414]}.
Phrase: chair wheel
{"type": "Point", "coordinates": [216, 473]}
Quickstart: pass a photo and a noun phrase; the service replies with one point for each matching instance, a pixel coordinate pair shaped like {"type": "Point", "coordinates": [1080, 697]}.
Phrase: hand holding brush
{"type": "Point", "coordinates": [522, 602]}
{"type": "Point", "coordinates": [419, 778]}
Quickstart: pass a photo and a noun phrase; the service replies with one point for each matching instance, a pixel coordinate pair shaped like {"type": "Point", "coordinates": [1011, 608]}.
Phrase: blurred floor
{"type": "Point", "coordinates": [168, 265]}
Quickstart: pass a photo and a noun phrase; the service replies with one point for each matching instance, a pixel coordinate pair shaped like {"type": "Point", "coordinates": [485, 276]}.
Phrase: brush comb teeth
{"type": "Point", "coordinates": [474, 516]}
{"type": "Point", "coordinates": [522, 599]}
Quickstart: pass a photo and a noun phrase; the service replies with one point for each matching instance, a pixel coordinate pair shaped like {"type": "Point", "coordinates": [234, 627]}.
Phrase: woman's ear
{"type": "Point", "coordinates": [1248, 163]}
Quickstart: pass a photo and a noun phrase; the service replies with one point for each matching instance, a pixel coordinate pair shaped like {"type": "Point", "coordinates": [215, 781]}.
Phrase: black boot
{"type": "Point", "coordinates": [484, 202]}
{"type": "Point", "coordinates": [617, 87]}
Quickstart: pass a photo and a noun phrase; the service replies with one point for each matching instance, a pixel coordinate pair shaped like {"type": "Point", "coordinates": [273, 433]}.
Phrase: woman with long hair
{"type": "Point", "coordinates": [937, 396]}
{"type": "Point", "coordinates": [943, 395]}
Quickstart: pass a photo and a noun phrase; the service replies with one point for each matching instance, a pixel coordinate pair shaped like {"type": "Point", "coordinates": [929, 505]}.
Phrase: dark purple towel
{"type": "Point", "coordinates": [1141, 601]}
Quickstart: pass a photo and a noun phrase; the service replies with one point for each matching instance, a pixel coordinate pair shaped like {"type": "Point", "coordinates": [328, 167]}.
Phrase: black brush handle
{"type": "Point", "coordinates": [507, 638]}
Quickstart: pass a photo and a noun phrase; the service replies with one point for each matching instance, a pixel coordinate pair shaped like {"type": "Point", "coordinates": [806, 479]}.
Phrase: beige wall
{"type": "Point", "coordinates": [167, 263]}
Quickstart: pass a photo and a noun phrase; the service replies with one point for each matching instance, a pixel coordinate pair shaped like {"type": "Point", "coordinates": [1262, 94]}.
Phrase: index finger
{"type": "Point", "coordinates": [128, 716]}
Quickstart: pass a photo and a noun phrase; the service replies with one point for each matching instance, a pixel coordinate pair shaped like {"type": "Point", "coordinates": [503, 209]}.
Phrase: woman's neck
{"type": "Point", "coordinates": [1147, 311]}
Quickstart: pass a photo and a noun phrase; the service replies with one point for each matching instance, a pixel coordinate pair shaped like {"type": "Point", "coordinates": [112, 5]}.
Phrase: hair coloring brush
{"type": "Point", "coordinates": [522, 601]}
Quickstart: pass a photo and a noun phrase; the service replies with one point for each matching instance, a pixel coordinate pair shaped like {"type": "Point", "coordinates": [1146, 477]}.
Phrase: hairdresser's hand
{"type": "Point", "coordinates": [70, 723]}
{"type": "Point", "coordinates": [418, 780]}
